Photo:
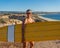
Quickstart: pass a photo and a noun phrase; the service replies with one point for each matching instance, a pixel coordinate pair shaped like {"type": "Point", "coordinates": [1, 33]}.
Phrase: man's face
{"type": "Point", "coordinates": [29, 14]}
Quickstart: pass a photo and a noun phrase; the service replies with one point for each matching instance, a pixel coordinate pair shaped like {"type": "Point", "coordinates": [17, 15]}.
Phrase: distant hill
{"type": "Point", "coordinates": [22, 12]}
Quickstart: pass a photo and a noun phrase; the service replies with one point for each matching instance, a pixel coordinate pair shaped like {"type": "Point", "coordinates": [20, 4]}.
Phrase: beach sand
{"type": "Point", "coordinates": [41, 44]}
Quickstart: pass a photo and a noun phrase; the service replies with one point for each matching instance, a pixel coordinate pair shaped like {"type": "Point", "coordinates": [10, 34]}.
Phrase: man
{"type": "Point", "coordinates": [29, 17]}
{"type": "Point", "coordinates": [27, 20]}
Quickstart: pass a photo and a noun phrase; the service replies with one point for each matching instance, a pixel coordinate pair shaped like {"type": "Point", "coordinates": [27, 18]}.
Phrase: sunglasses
{"type": "Point", "coordinates": [28, 13]}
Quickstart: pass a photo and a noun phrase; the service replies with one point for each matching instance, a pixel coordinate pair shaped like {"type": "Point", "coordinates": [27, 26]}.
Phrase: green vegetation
{"type": "Point", "coordinates": [2, 21]}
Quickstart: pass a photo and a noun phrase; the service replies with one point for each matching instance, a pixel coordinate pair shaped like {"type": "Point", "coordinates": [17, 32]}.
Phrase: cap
{"type": "Point", "coordinates": [28, 11]}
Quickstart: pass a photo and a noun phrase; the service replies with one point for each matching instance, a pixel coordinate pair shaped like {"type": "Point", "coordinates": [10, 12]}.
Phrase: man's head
{"type": "Point", "coordinates": [29, 13]}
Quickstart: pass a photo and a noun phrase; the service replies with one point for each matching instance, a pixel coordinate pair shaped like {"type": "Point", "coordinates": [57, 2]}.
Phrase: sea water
{"type": "Point", "coordinates": [52, 16]}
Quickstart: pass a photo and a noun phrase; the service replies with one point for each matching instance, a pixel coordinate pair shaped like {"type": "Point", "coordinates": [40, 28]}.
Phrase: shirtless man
{"type": "Point", "coordinates": [29, 17]}
{"type": "Point", "coordinates": [26, 21]}
{"type": "Point", "coordinates": [29, 20]}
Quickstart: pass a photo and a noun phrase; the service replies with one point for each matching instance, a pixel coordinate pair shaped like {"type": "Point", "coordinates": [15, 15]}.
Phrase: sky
{"type": "Point", "coordinates": [35, 5]}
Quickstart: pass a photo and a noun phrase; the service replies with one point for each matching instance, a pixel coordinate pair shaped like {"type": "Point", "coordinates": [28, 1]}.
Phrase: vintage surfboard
{"type": "Point", "coordinates": [3, 34]}
{"type": "Point", "coordinates": [40, 31]}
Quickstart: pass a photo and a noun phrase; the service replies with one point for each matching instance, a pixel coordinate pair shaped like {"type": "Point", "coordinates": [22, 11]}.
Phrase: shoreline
{"type": "Point", "coordinates": [47, 19]}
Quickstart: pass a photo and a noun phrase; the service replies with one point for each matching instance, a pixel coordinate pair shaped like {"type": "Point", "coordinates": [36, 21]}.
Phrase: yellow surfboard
{"type": "Point", "coordinates": [3, 34]}
{"type": "Point", "coordinates": [39, 31]}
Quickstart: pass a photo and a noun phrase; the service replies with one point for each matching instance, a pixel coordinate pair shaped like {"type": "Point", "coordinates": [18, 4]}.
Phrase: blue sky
{"type": "Point", "coordinates": [35, 5]}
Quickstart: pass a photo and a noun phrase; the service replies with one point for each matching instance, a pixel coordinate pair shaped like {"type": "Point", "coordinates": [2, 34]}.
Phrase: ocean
{"type": "Point", "coordinates": [52, 16]}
